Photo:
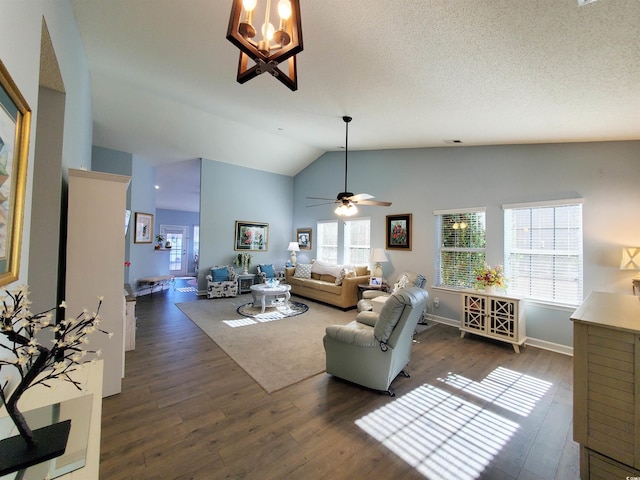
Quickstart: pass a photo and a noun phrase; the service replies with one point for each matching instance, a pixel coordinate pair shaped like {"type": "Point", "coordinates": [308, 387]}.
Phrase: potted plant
{"type": "Point", "coordinates": [159, 241]}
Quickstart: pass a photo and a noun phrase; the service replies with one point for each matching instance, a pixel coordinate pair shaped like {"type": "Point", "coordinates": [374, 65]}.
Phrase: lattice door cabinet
{"type": "Point", "coordinates": [498, 316]}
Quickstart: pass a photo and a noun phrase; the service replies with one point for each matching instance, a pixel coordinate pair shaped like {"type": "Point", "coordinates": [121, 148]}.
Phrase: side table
{"type": "Point", "coordinates": [245, 281]}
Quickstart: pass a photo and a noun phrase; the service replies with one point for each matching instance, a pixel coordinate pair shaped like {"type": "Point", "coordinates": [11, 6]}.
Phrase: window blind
{"type": "Point", "coordinates": [327, 241]}
{"type": "Point", "coordinates": [357, 245]}
{"type": "Point", "coordinates": [543, 251]}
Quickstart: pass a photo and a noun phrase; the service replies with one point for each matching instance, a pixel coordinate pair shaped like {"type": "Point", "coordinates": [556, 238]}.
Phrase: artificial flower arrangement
{"type": "Point", "coordinates": [243, 260]}
{"type": "Point", "coordinates": [31, 360]}
{"type": "Point", "coordinates": [487, 276]}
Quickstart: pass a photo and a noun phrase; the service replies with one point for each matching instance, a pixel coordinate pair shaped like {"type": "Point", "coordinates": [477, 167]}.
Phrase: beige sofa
{"type": "Point", "coordinates": [323, 288]}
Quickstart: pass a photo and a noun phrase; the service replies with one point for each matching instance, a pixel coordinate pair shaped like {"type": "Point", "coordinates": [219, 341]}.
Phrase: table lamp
{"type": "Point", "coordinates": [631, 261]}
{"type": "Point", "coordinates": [377, 256]}
{"type": "Point", "coordinates": [293, 248]}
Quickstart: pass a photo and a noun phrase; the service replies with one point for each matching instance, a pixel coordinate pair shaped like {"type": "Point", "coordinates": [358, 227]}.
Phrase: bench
{"type": "Point", "coordinates": [159, 281]}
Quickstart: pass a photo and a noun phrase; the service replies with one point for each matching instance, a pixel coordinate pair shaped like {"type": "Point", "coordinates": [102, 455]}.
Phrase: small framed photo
{"type": "Point", "coordinates": [375, 282]}
{"type": "Point", "coordinates": [252, 236]}
{"type": "Point", "coordinates": [144, 228]}
{"type": "Point", "coordinates": [399, 232]}
{"type": "Point", "coordinates": [303, 235]}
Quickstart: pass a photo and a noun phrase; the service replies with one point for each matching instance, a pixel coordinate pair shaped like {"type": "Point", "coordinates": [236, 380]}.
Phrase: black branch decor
{"type": "Point", "coordinates": [35, 363]}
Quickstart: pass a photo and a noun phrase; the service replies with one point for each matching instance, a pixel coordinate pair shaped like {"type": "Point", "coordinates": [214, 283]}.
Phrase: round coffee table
{"type": "Point", "coordinates": [263, 293]}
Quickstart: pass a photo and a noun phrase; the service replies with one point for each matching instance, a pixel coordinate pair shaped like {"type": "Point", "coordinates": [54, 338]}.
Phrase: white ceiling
{"type": "Point", "coordinates": [411, 73]}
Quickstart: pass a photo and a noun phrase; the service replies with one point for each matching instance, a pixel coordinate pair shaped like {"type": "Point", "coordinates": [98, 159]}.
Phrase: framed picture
{"type": "Point", "coordinates": [252, 236]}
{"type": "Point", "coordinates": [144, 228]}
{"type": "Point", "coordinates": [303, 235]}
{"type": "Point", "coordinates": [399, 232]}
{"type": "Point", "coordinates": [15, 122]}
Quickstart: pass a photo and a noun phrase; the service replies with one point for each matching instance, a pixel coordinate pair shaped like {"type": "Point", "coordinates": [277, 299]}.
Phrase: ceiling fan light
{"type": "Point", "coordinates": [346, 210]}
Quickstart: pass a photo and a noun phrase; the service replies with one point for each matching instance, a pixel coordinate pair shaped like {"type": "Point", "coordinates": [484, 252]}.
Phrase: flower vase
{"type": "Point", "coordinates": [245, 270]}
{"type": "Point", "coordinates": [490, 289]}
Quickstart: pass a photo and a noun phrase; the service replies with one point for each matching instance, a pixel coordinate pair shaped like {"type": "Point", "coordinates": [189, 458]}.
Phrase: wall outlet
{"type": "Point", "coordinates": [436, 302]}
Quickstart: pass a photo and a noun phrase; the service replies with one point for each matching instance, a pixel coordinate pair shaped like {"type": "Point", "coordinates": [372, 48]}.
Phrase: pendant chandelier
{"type": "Point", "coordinates": [273, 46]}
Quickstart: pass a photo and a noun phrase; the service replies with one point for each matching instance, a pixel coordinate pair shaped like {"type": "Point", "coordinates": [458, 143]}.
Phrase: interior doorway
{"type": "Point", "coordinates": [177, 235]}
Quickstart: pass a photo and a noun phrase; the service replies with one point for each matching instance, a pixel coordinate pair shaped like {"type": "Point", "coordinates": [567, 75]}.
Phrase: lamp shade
{"type": "Point", "coordinates": [293, 247]}
{"type": "Point", "coordinates": [630, 258]}
{"type": "Point", "coordinates": [378, 255]}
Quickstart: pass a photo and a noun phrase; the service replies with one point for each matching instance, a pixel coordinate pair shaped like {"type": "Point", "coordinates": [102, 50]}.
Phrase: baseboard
{"type": "Point", "coordinates": [530, 342]}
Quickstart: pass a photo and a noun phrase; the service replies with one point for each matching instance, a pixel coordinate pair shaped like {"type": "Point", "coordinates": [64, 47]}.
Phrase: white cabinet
{"type": "Point", "coordinates": [606, 385]}
{"type": "Point", "coordinates": [498, 316]}
{"type": "Point", "coordinates": [95, 262]}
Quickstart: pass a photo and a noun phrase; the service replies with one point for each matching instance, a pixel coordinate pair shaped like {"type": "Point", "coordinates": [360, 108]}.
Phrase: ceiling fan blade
{"type": "Point", "coordinates": [373, 202]}
{"type": "Point", "coordinates": [321, 198]}
{"type": "Point", "coordinates": [318, 204]}
{"type": "Point", "coordinates": [360, 196]}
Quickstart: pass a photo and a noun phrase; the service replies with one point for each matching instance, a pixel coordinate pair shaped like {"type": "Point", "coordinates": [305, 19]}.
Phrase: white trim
{"type": "Point", "coordinates": [460, 210]}
{"type": "Point", "coordinates": [529, 342]}
{"type": "Point", "coordinates": [545, 203]}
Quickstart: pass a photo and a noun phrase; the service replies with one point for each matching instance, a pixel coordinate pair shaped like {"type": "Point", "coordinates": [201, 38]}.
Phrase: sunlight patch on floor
{"type": "Point", "coordinates": [445, 436]}
{"type": "Point", "coordinates": [505, 388]}
{"type": "Point", "coordinates": [439, 434]}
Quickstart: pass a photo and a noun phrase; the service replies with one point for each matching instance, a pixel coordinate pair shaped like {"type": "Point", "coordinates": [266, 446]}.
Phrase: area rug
{"type": "Point", "coordinates": [275, 312]}
{"type": "Point", "coordinates": [276, 354]}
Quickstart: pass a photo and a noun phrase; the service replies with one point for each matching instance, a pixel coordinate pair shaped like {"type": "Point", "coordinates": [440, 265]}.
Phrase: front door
{"type": "Point", "coordinates": [177, 236]}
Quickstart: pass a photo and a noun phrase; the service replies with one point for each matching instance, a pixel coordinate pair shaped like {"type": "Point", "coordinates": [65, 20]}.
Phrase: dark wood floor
{"type": "Point", "coordinates": [187, 411]}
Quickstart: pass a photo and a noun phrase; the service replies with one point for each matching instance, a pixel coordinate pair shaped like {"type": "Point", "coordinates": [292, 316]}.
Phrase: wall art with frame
{"type": "Point", "coordinates": [399, 232]}
{"type": "Point", "coordinates": [15, 125]}
{"type": "Point", "coordinates": [251, 236]}
{"type": "Point", "coordinates": [303, 236]}
{"type": "Point", "coordinates": [144, 228]}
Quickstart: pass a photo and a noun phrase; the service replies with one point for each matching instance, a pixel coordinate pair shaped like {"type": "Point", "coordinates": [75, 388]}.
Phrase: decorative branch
{"type": "Point", "coordinates": [35, 363]}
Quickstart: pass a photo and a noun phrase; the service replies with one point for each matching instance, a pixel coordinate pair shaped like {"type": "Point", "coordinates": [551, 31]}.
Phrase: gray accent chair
{"type": "Point", "coordinates": [374, 355]}
{"type": "Point", "coordinates": [405, 279]}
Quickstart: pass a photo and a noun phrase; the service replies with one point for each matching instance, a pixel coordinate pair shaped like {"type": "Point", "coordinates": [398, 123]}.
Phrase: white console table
{"type": "Point", "coordinates": [494, 315]}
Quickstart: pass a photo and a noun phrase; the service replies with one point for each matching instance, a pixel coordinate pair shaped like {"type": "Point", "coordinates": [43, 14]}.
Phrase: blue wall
{"type": "Point", "coordinates": [230, 193]}
{"type": "Point", "coordinates": [419, 181]}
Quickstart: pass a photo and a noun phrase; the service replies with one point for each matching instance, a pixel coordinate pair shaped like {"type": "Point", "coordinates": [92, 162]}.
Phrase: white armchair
{"type": "Point", "coordinates": [222, 282]}
{"type": "Point", "coordinates": [405, 279]}
{"type": "Point", "coordinates": [267, 271]}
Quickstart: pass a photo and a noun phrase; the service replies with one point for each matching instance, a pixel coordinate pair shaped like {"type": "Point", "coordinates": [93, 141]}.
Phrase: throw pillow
{"type": "Point", "coordinates": [340, 276]}
{"type": "Point", "coordinates": [303, 270]}
{"type": "Point", "coordinates": [401, 283]}
{"type": "Point", "coordinates": [268, 271]}
{"type": "Point", "coordinates": [220, 274]}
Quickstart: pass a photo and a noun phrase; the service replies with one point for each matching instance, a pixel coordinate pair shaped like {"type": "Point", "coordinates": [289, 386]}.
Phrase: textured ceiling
{"type": "Point", "coordinates": [411, 73]}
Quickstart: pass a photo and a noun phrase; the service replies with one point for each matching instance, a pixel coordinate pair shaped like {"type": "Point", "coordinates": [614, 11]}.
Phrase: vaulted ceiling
{"type": "Point", "coordinates": [411, 73]}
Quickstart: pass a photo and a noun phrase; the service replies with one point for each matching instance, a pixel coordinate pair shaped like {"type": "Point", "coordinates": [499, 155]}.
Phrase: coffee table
{"type": "Point", "coordinates": [263, 292]}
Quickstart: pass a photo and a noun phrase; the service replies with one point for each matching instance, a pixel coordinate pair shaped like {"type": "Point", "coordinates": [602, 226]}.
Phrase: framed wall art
{"type": "Point", "coordinates": [303, 236]}
{"type": "Point", "coordinates": [15, 124]}
{"type": "Point", "coordinates": [252, 236]}
{"type": "Point", "coordinates": [399, 232]}
{"type": "Point", "coordinates": [144, 228]}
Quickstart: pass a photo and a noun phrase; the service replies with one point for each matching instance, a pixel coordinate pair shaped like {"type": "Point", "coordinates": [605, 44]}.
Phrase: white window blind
{"type": "Point", "coordinates": [357, 246]}
{"type": "Point", "coordinates": [460, 246]}
{"type": "Point", "coordinates": [327, 241]}
{"type": "Point", "coordinates": [543, 250]}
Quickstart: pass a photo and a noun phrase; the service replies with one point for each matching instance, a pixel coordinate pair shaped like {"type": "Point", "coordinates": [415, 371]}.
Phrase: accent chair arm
{"type": "Point", "coordinates": [369, 294]}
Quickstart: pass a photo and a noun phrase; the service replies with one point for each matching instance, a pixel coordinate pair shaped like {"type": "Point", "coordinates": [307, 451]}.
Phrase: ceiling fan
{"type": "Point", "coordinates": [347, 201]}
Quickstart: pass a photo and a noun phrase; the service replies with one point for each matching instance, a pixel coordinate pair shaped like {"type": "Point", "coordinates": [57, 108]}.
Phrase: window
{"type": "Point", "coordinates": [327, 241]}
{"type": "Point", "coordinates": [461, 246]}
{"type": "Point", "coordinates": [357, 247]}
{"type": "Point", "coordinates": [543, 250]}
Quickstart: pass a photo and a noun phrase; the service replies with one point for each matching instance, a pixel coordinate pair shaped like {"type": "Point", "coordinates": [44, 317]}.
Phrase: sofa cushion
{"type": "Point", "coordinates": [362, 270]}
{"type": "Point", "coordinates": [327, 278]}
{"type": "Point", "coordinates": [268, 270]}
{"type": "Point", "coordinates": [220, 274]}
{"type": "Point", "coordinates": [303, 270]}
